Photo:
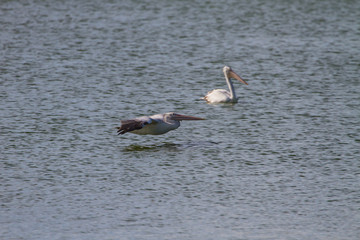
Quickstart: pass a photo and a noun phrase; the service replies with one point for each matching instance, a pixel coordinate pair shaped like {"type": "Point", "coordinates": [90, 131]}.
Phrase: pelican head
{"type": "Point", "coordinates": [171, 116]}
{"type": "Point", "coordinates": [229, 73]}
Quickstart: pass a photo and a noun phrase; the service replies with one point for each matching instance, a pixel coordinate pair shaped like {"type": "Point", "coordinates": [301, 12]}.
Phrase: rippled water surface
{"type": "Point", "coordinates": [282, 163]}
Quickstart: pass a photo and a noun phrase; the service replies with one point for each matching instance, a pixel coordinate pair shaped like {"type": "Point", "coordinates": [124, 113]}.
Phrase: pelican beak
{"type": "Point", "coordinates": [179, 117]}
{"type": "Point", "coordinates": [232, 74]}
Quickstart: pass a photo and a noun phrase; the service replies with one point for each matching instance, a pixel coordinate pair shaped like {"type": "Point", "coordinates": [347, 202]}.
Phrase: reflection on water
{"type": "Point", "coordinates": [152, 147]}
{"type": "Point", "coordinates": [167, 146]}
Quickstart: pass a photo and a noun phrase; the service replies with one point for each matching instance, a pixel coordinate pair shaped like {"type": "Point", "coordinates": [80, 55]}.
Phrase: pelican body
{"type": "Point", "coordinates": [222, 95]}
{"type": "Point", "coordinates": [154, 125]}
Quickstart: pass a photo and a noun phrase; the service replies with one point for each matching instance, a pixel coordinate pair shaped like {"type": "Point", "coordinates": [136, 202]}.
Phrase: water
{"type": "Point", "coordinates": [283, 163]}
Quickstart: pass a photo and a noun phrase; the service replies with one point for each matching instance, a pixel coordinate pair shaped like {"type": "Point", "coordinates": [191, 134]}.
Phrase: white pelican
{"type": "Point", "coordinates": [222, 95]}
{"type": "Point", "coordinates": [154, 125]}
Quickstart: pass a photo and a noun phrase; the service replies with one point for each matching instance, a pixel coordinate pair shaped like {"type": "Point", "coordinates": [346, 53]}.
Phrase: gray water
{"type": "Point", "coordinates": [282, 163]}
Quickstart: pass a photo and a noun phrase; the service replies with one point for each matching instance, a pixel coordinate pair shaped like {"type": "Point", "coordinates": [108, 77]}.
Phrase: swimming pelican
{"type": "Point", "coordinates": [154, 125]}
{"type": "Point", "coordinates": [222, 95]}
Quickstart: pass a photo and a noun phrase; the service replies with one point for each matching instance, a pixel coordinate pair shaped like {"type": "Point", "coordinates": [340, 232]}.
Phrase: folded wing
{"type": "Point", "coordinates": [131, 125]}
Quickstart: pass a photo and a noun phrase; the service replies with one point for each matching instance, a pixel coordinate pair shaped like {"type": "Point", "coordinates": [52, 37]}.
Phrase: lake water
{"type": "Point", "coordinates": [282, 163]}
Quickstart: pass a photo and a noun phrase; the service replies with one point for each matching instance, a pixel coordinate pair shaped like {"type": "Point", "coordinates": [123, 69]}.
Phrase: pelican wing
{"type": "Point", "coordinates": [217, 96]}
{"type": "Point", "coordinates": [133, 124]}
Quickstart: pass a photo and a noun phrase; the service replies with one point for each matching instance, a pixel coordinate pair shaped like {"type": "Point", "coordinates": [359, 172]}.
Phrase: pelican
{"type": "Point", "coordinates": [222, 95]}
{"type": "Point", "coordinates": [154, 125]}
